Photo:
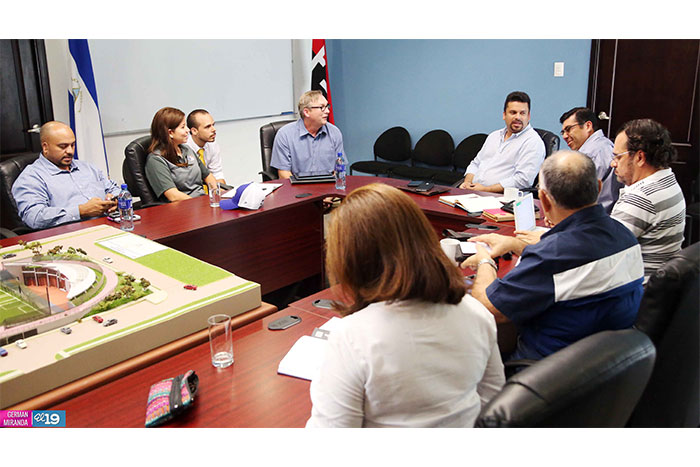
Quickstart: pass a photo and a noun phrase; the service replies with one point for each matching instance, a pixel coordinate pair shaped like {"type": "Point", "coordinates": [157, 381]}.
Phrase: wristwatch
{"type": "Point", "coordinates": [487, 261]}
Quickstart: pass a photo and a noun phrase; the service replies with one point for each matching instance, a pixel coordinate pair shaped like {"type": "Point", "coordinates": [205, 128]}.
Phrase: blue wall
{"type": "Point", "coordinates": [455, 85]}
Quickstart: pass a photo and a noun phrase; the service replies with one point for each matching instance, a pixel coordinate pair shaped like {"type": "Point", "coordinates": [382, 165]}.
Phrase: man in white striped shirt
{"type": "Point", "coordinates": [651, 205]}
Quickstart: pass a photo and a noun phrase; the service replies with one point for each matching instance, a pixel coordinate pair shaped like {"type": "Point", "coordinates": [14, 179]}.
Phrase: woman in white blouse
{"type": "Point", "coordinates": [413, 350]}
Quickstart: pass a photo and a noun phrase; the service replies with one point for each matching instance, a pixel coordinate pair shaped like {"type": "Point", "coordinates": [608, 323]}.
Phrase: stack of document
{"type": "Point", "coordinates": [305, 357]}
{"type": "Point", "coordinates": [472, 202]}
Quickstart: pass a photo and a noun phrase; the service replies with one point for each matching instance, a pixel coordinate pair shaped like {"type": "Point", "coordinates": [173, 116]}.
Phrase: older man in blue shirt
{"type": "Point", "coordinates": [311, 145]}
{"type": "Point", "coordinates": [56, 188]}
{"type": "Point", "coordinates": [581, 131]}
{"type": "Point", "coordinates": [582, 276]}
{"type": "Point", "coordinates": [510, 157]}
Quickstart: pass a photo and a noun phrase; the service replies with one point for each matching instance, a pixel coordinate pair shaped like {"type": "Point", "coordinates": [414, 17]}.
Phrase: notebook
{"type": "Point", "coordinates": [472, 202]}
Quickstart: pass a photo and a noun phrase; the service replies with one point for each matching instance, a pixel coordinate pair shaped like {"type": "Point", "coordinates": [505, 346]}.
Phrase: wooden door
{"type": "Point", "coordinates": [25, 98]}
{"type": "Point", "coordinates": [656, 79]}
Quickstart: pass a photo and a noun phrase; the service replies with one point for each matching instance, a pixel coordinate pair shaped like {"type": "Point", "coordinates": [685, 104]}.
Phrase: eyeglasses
{"type": "Point", "coordinates": [617, 157]}
{"type": "Point", "coordinates": [567, 129]}
{"type": "Point", "coordinates": [322, 107]}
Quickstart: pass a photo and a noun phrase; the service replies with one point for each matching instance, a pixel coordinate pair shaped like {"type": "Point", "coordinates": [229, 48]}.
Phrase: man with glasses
{"type": "Point", "coordinates": [581, 131]}
{"type": "Point", "coordinates": [651, 205]}
{"type": "Point", "coordinates": [511, 156]}
{"type": "Point", "coordinates": [311, 145]}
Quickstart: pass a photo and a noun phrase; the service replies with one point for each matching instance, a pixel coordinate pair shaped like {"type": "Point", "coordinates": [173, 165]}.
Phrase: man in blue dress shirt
{"type": "Point", "coordinates": [310, 146]}
{"type": "Point", "coordinates": [56, 188]}
{"type": "Point", "coordinates": [580, 129]}
{"type": "Point", "coordinates": [581, 277]}
{"type": "Point", "coordinates": [511, 156]}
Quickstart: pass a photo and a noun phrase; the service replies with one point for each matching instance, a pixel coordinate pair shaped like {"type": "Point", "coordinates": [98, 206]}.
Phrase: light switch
{"type": "Point", "coordinates": [558, 69]}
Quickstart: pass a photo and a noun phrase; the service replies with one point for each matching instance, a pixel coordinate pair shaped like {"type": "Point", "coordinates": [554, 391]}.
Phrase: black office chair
{"type": "Point", "coordinates": [551, 145]}
{"type": "Point", "coordinates": [434, 149]}
{"type": "Point", "coordinates": [267, 140]}
{"type": "Point", "coordinates": [464, 154]}
{"type": "Point", "coordinates": [593, 383]}
{"type": "Point", "coordinates": [670, 315]}
{"type": "Point", "coordinates": [134, 172]}
{"type": "Point", "coordinates": [393, 145]}
{"type": "Point", "coordinates": [10, 223]}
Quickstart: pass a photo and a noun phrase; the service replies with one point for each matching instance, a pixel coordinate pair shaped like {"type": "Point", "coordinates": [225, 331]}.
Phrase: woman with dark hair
{"type": "Point", "coordinates": [172, 168]}
{"type": "Point", "coordinates": [413, 350]}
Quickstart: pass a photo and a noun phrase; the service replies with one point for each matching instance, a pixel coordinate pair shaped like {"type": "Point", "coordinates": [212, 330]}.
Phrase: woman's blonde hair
{"type": "Point", "coordinates": [381, 247]}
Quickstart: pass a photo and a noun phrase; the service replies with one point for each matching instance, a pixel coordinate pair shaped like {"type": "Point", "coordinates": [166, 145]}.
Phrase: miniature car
{"type": "Point", "coordinates": [66, 330]}
{"type": "Point", "coordinates": [190, 287]}
{"type": "Point", "coordinates": [8, 256]}
{"type": "Point", "coordinates": [107, 259]}
{"type": "Point", "coordinates": [21, 344]}
{"type": "Point", "coordinates": [3, 352]}
{"type": "Point", "coordinates": [97, 318]}
{"type": "Point", "coordinates": [110, 322]}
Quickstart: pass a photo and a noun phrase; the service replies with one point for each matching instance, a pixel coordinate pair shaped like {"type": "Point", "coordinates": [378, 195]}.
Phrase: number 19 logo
{"type": "Point", "coordinates": [49, 418]}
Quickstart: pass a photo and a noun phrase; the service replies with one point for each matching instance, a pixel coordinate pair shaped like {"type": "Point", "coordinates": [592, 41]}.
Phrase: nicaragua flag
{"type": "Point", "coordinates": [319, 71]}
{"type": "Point", "coordinates": [84, 112]}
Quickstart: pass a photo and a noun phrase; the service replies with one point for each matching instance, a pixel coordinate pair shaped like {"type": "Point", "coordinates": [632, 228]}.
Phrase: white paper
{"type": "Point", "coordinates": [132, 246]}
{"type": "Point", "coordinates": [304, 359]}
{"type": "Point", "coordinates": [524, 210]}
{"type": "Point", "coordinates": [469, 248]}
{"type": "Point", "coordinates": [473, 202]}
{"type": "Point", "coordinates": [265, 187]}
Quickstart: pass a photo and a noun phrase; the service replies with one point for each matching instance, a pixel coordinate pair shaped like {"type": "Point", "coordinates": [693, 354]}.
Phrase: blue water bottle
{"type": "Point", "coordinates": [126, 210]}
{"type": "Point", "coordinates": [340, 172]}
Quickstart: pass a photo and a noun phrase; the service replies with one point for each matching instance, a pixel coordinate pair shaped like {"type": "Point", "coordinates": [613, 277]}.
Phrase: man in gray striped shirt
{"type": "Point", "coordinates": [651, 205]}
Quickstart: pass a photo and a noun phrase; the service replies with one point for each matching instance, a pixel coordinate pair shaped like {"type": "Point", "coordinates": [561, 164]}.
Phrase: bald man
{"type": "Point", "coordinates": [56, 188]}
{"type": "Point", "coordinates": [582, 276]}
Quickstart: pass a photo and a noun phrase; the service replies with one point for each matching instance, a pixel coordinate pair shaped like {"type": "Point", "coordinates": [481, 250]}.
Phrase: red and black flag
{"type": "Point", "coordinates": [319, 71]}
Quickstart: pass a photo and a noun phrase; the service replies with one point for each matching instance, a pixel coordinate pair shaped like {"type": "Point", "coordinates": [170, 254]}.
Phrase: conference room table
{"type": "Point", "coordinates": [277, 245]}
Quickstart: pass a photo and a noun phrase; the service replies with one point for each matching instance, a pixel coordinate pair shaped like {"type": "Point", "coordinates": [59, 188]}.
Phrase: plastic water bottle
{"type": "Point", "coordinates": [340, 172]}
{"type": "Point", "coordinates": [126, 210]}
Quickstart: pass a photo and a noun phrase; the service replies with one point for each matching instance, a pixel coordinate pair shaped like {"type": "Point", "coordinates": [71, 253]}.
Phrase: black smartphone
{"type": "Point", "coordinates": [284, 323]}
{"type": "Point", "coordinates": [425, 186]}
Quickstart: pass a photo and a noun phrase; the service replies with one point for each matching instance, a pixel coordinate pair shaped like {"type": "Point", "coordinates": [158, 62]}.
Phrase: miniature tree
{"type": "Point", "coordinates": [145, 283]}
{"type": "Point", "coordinates": [35, 247]}
{"type": "Point", "coordinates": [81, 251]}
{"type": "Point", "coordinates": [71, 250]}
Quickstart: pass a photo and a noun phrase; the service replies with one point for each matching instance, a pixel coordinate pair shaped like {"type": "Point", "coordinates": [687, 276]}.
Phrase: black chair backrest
{"type": "Point", "coordinates": [670, 315]}
{"type": "Point", "coordinates": [594, 382]}
{"type": "Point", "coordinates": [466, 151]}
{"type": "Point", "coordinates": [436, 148]}
{"type": "Point", "coordinates": [393, 145]}
{"type": "Point", "coordinates": [267, 140]}
{"type": "Point", "coordinates": [133, 170]}
{"type": "Point", "coordinates": [551, 144]}
{"type": "Point", "coordinates": [551, 141]}
{"type": "Point", "coordinates": [9, 171]}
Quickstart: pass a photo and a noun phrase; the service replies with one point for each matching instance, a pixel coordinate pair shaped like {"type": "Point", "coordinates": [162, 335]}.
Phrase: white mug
{"type": "Point", "coordinates": [451, 248]}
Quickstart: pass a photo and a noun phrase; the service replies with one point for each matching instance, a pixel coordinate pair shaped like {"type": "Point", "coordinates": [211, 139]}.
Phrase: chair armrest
{"type": "Point", "coordinates": [6, 233]}
{"type": "Point", "coordinates": [267, 175]}
{"type": "Point", "coordinates": [513, 366]}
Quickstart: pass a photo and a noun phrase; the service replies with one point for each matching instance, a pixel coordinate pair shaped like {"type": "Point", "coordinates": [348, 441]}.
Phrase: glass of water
{"type": "Point", "coordinates": [220, 340]}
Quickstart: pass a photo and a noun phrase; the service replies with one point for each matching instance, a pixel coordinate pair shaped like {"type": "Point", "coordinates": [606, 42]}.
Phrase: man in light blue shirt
{"type": "Point", "coordinates": [311, 145]}
{"type": "Point", "coordinates": [510, 157]}
{"type": "Point", "coordinates": [56, 188]}
{"type": "Point", "coordinates": [581, 131]}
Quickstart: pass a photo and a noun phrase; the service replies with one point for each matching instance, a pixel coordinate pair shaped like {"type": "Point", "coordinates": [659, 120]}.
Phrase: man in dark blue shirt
{"type": "Point", "coordinates": [581, 277]}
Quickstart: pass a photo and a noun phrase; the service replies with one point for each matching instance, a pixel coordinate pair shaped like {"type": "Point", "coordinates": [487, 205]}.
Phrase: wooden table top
{"type": "Point", "coordinates": [250, 393]}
